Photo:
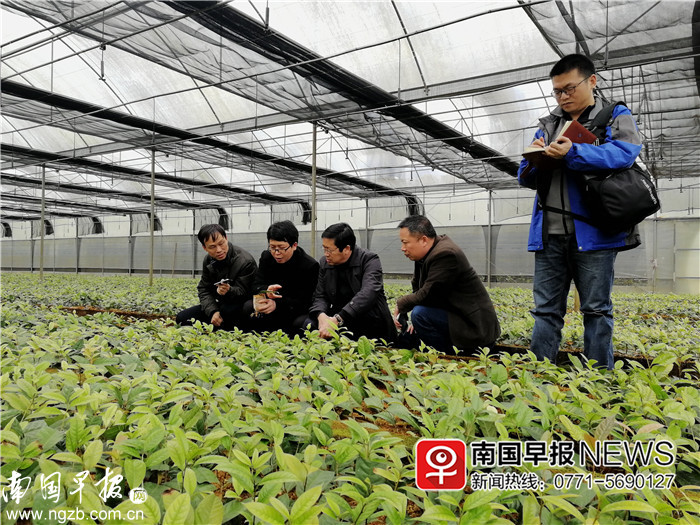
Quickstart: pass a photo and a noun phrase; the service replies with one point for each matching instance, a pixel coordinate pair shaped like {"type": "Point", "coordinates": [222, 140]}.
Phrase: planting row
{"type": "Point", "coordinates": [220, 427]}
{"type": "Point", "coordinates": [645, 323]}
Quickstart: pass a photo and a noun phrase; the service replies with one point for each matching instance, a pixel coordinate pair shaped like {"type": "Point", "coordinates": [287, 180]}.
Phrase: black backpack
{"type": "Point", "coordinates": [616, 200]}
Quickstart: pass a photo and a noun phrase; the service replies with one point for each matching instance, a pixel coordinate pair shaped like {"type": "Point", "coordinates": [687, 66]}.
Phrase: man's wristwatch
{"type": "Point", "coordinates": [338, 319]}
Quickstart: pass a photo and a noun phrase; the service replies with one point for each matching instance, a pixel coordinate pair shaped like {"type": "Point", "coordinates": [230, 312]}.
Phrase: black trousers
{"type": "Point", "coordinates": [232, 314]}
{"type": "Point", "coordinates": [286, 321]}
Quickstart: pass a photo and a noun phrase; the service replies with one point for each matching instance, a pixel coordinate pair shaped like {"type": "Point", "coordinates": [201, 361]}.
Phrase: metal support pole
{"type": "Point", "coordinates": [131, 244]}
{"type": "Point", "coordinates": [153, 214]}
{"type": "Point", "coordinates": [77, 245]}
{"type": "Point", "coordinates": [489, 247]}
{"type": "Point", "coordinates": [313, 193]}
{"type": "Point", "coordinates": [194, 245]}
{"type": "Point", "coordinates": [367, 223]}
{"type": "Point", "coordinates": [43, 223]}
{"type": "Point", "coordinates": [174, 261]}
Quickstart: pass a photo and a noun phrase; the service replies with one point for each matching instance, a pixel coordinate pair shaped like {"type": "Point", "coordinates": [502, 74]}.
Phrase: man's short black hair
{"type": "Point", "coordinates": [568, 63]}
{"type": "Point", "coordinates": [341, 234]}
{"type": "Point", "coordinates": [209, 231]}
{"type": "Point", "coordinates": [418, 225]}
{"type": "Point", "coordinates": [283, 231]}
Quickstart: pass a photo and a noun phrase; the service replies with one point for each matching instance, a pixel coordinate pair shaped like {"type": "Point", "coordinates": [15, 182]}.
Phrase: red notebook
{"type": "Point", "coordinates": [574, 131]}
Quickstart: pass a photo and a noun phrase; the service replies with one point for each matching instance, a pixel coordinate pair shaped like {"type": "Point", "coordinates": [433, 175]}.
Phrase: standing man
{"type": "Point", "coordinates": [564, 246]}
{"type": "Point", "coordinates": [226, 282]}
{"type": "Point", "coordinates": [350, 290]}
{"type": "Point", "coordinates": [449, 305]}
{"type": "Point", "coordinates": [285, 268]}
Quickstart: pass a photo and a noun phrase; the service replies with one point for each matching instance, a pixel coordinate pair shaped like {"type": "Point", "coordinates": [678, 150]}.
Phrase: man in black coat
{"type": "Point", "coordinates": [226, 282]}
{"type": "Point", "coordinates": [449, 305]}
{"type": "Point", "coordinates": [288, 271]}
{"type": "Point", "coordinates": [350, 290]}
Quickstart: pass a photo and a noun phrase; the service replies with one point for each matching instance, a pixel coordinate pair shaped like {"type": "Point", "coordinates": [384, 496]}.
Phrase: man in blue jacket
{"type": "Point", "coordinates": [564, 246]}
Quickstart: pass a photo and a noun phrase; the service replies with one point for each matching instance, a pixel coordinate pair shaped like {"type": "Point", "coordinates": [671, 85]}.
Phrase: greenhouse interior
{"type": "Point", "coordinates": [127, 126]}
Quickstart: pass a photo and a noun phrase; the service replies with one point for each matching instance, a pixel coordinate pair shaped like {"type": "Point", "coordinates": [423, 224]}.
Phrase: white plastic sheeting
{"type": "Point", "coordinates": [414, 98]}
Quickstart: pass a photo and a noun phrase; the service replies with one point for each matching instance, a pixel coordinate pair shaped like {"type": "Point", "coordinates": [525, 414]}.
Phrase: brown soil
{"type": "Point", "coordinates": [91, 310]}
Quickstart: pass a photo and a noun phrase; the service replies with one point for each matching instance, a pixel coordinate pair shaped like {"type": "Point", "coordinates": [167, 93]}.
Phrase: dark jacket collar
{"type": "Point", "coordinates": [354, 260]}
{"type": "Point", "coordinates": [438, 238]}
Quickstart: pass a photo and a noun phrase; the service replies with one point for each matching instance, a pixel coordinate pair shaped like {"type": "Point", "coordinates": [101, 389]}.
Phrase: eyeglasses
{"type": "Point", "coordinates": [277, 249]}
{"type": "Point", "coordinates": [328, 251]}
{"type": "Point", "coordinates": [557, 93]}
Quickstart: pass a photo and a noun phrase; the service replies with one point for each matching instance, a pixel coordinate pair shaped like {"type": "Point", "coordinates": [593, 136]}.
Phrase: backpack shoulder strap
{"type": "Point", "coordinates": [603, 119]}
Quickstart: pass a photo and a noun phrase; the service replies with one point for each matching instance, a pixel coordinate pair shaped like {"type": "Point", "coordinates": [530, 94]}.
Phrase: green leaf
{"type": "Point", "coordinates": [68, 457]}
{"type": "Point", "coordinates": [438, 513]}
{"type": "Point", "coordinates": [479, 498]}
{"type": "Point", "coordinates": [153, 438]}
{"type": "Point", "coordinates": [364, 347]}
{"type": "Point", "coordinates": [93, 454]}
{"type": "Point", "coordinates": [17, 401]}
{"type": "Point", "coordinates": [303, 509]}
{"type": "Point", "coordinates": [332, 378]}
{"type": "Point", "coordinates": [135, 472]}
{"type": "Point", "coordinates": [630, 506]}
{"type": "Point", "coordinates": [359, 433]}
{"type": "Point", "coordinates": [279, 477]}
{"type": "Point", "coordinates": [177, 449]}
{"type": "Point", "coordinates": [175, 396]}
{"type": "Point", "coordinates": [400, 411]}
{"type": "Point", "coordinates": [498, 375]}
{"type": "Point", "coordinates": [10, 437]}
{"type": "Point", "coordinates": [178, 512]}
{"type": "Point", "coordinates": [190, 482]}
{"type": "Point", "coordinates": [531, 511]}
{"type": "Point", "coordinates": [478, 515]}
{"type": "Point", "coordinates": [604, 428]}
{"type": "Point", "coordinates": [265, 512]}
{"type": "Point", "coordinates": [150, 509]}
{"type": "Point", "coordinates": [563, 504]}
{"type": "Point", "coordinates": [156, 458]}
{"type": "Point", "coordinates": [291, 464]}
{"type": "Point", "coordinates": [575, 431]}
{"type": "Point", "coordinates": [75, 434]}
{"type": "Point", "coordinates": [210, 511]}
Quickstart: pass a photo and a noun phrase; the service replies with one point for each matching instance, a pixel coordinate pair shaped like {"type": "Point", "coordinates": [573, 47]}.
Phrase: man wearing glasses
{"type": "Point", "coordinates": [350, 290]}
{"type": "Point", "coordinates": [227, 276]}
{"type": "Point", "coordinates": [567, 248]}
{"type": "Point", "coordinates": [291, 274]}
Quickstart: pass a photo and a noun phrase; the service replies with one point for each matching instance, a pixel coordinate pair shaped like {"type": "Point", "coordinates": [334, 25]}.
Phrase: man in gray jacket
{"type": "Point", "coordinates": [227, 278]}
{"type": "Point", "coordinates": [449, 305]}
{"type": "Point", "coordinates": [350, 289]}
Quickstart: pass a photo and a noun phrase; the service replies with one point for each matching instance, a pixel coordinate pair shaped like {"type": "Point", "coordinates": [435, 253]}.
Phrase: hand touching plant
{"type": "Point", "coordinates": [264, 301]}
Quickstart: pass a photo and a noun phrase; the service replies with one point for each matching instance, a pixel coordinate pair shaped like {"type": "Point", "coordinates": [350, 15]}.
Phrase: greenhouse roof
{"type": "Point", "coordinates": [218, 100]}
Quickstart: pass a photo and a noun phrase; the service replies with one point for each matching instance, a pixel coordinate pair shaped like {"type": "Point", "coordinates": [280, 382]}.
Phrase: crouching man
{"type": "Point", "coordinates": [350, 290]}
{"type": "Point", "coordinates": [449, 306]}
{"type": "Point", "coordinates": [227, 278]}
{"type": "Point", "coordinates": [288, 271]}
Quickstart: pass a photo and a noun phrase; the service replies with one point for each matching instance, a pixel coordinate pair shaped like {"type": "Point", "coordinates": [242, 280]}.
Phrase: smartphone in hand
{"type": "Point", "coordinates": [268, 294]}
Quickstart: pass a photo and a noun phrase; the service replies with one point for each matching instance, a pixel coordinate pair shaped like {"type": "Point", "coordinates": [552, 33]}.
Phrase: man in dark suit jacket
{"type": "Point", "coordinates": [285, 268]}
{"type": "Point", "coordinates": [227, 276]}
{"type": "Point", "coordinates": [350, 290]}
{"type": "Point", "coordinates": [449, 305]}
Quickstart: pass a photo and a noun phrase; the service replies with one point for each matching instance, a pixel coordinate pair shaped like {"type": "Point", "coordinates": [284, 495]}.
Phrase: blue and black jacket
{"type": "Point", "coordinates": [619, 149]}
